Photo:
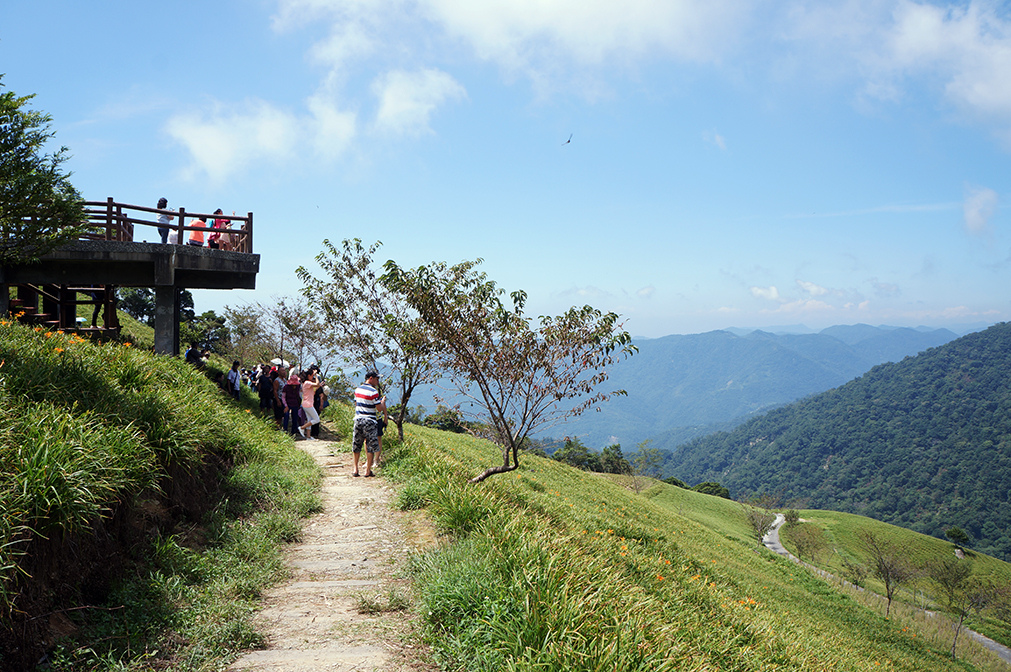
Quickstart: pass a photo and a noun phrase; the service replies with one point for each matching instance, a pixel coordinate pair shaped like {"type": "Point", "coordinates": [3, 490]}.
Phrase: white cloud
{"type": "Point", "coordinates": [980, 205]}
{"type": "Point", "coordinates": [770, 293]}
{"type": "Point", "coordinates": [646, 292]}
{"type": "Point", "coordinates": [811, 288]}
{"type": "Point", "coordinates": [584, 293]}
{"type": "Point", "coordinates": [962, 50]}
{"type": "Point", "coordinates": [802, 306]}
{"type": "Point", "coordinates": [228, 140]}
{"type": "Point", "coordinates": [885, 289]}
{"type": "Point", "coordinates": [408, 99]}
{"type": "Point", "coordinates": [346, 43]}
{"type": "Point", "coordinates": [969, 46]}
{"type": "Point", "coordinates": [533, 38]}
{"type": "Point", "coordinates": [715, 138]}
{"type": "Point", "coordinates": [522, 34]}
{"type": "Point", "coordinates": [296, 13]}
{"type": "Point", "coordinates": [332, 129]}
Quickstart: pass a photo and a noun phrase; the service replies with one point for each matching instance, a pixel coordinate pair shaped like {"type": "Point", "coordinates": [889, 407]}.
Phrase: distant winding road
{"type": "Point", "coordinates": [771, 541]}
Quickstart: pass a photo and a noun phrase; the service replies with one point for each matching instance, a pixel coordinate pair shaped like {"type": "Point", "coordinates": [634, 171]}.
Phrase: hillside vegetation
{"type": "Point", "coordinates": [684, 386]}
{"type": "Point", "coordinates": [924, 443]}
{"type": "Point", "coordinates": [133, 488]}
{"type": "Point", "coordinates": [142, 510]}
{"type": "Point", "coordinates": [555, 568]}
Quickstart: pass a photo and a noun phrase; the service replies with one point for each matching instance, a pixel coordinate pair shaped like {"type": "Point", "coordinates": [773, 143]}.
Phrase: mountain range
{"type": "Point", "coordinates": [683, 386]}
{"type": "Point", "coordinates": [924, 442]}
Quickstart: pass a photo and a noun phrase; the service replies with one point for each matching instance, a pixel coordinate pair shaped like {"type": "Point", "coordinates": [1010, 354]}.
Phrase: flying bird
{"type": "Point", "coordinates": [567, 141]}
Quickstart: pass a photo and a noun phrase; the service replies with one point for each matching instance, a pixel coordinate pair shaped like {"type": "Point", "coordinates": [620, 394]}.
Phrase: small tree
{"type": "Point", "coordinates": [368, 323]}
{"type": "Point", "coordinates": [888, 564]}
{"type": "Point", "coordinates": [855, 572]}
{"type": "Point", "coordinates": [447, 419]}
{"type": "Point", "coordinates": [760, 521]}
{"type": "Point", "coordinates": [521, 378]}
{"type": "Point", "coordinates": [758, 513]}
{"type": "Point", "coordinates": [646, 463]}
{"type": "Point", "coordinates": [138, 303]}
{"type": "Point", "coordinates": [959, 536]}
{"type": "Point", "coordinates": [39, 209]}
{"type": "Point", "coordinates": [252, 334]}
{"type": "Point", "coordinates": [963, 593]}
{"type": "Point", "coordinates": [809, 541]}
{"type": "Point", "coordinates": [612, 461]}
{"type": "Point", "coordinates": [207, 330]}
{"type": "Point", "coordinates": [712, 488]}
{"type": "Point", "coordinates": [286, 329]}
{"type": "Point", "coordinates": [303, 333]}
{"type": "Point", "coordinates": [575, 454]}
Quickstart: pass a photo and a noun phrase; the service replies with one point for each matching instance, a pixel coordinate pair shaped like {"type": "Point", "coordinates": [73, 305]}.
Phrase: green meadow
{"type": "Point", "coordinates": [840, 532]}
{"type": "Point", "coordinates": [114, 458]}
{"type": "Point", "coordinates": [551, 568]}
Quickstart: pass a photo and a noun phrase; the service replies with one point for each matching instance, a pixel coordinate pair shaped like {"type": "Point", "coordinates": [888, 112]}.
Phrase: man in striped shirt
{"type": "Point", "coordinates": [367, 403]}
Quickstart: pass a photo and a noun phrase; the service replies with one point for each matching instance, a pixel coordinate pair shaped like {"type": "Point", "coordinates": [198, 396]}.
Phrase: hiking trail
{"type": "Point", "coordinates": [352, 553]}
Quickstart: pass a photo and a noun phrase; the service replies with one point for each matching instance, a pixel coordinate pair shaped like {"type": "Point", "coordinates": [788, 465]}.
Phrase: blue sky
{"type": "Point", "coordinates": [732, 163]}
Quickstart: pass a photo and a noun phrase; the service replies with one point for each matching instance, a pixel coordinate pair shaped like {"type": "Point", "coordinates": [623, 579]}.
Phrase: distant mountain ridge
{"type": "Point", "coordinates": [924, 443]}
{"type": "Point", "coordinates": [682, 386]}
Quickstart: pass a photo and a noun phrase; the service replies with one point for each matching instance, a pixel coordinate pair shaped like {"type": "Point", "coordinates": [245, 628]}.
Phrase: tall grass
{"type": "Point", "coordinates": [90, 432]}
{"type": "Point", "coordinates": [556, 569]}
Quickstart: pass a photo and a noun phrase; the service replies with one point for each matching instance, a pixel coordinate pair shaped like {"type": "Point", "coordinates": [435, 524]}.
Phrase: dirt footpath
{"type": "Point", "coordinates": [351, 558]}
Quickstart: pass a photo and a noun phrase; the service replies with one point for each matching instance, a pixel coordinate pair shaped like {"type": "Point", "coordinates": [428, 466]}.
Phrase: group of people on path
{"type": "Point", "coordinates": [298, 401]}
{"type": "Point", "coordinates": [295, 399]}
{"type": "Point", "coordinates": [217, 238]}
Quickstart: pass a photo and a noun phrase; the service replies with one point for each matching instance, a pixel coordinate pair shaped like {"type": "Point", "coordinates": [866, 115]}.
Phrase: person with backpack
{"type": "Point", "coordinates": [292, 398]}
{"type": "Point", "coordinates": [265, 389]}
{"type": "Point", "coordinates": [276, 385]}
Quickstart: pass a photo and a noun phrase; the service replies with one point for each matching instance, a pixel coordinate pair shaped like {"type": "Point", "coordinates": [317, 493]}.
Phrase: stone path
{"type": "Point", "coordinates": [351, 554]}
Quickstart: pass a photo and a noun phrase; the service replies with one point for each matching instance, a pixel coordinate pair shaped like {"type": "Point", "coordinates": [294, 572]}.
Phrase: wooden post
{"type": "Point", "coordinates": [182, 217]}
{"type": "Point", "coordinates": [249, 235]}
{"type": "Point", "coordinates": [68, 308]}
{"type": "Point", "coordinates": [109, 209]}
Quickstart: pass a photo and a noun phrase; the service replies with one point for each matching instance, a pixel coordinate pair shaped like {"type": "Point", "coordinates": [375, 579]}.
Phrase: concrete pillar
{"type": "Point", "coordinates": [166, 321]}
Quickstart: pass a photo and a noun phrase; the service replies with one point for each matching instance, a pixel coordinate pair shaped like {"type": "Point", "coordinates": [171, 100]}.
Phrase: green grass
{"type": "Point", "coordinates": [104, 442]}
{"type": "Point", "coordinates": [842, 536]}
{"type": "Point", "coordinates": [132, 331]}
{"type": "Point", "coordinates": [545, 568]}
{"type": "Point", "coordinates": [551, 568]}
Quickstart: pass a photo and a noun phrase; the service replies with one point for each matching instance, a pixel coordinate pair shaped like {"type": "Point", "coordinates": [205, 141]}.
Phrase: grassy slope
{"type": "Point", "coordinates": [554, 568]}
{"type": "Point", "coordinates": [132, 331]}
{"type": "Point", "coordinates": [841, 532]}
{"type": "Point", "coordinates": [112, 456]}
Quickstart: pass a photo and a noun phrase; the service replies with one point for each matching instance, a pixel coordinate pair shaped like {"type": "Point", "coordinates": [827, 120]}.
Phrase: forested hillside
{"type": "Point", "coordinates": [924, 443]}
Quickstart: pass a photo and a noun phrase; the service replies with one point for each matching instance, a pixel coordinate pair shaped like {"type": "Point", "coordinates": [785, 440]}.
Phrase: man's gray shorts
{"type": "Point", "coordinates": [366, 432]}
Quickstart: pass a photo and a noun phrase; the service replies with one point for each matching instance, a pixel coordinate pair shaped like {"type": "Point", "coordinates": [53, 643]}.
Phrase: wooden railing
{"type": "Point", "coordinates": [117, 221]}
